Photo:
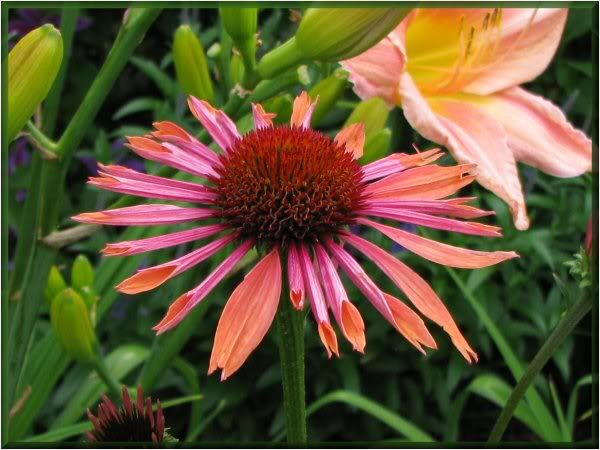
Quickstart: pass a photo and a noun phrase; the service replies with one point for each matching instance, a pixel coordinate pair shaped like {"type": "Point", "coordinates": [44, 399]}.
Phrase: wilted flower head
{"type": "Point", "coordinates": [294, 192]}
{"type": "Point", "coordinates": [133, 422]}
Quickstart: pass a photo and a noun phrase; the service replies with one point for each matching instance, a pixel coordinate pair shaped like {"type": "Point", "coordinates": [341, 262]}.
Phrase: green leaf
{"type": "Point", "coordinates": [572, 406]}
{"type": "Point", "coordinates": [120, 363]}
{"type": "Point", "coordinates": [164, 82]}
{"type": "Point", "coordinates": [135, 106]}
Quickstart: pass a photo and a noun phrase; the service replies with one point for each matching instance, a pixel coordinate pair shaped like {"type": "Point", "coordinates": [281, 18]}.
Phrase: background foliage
{"type": "Point", "coordinates": [392, 392]}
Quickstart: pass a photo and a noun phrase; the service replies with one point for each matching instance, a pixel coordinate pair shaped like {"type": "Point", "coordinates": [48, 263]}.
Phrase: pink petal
{"type": "Point", "coordinates": [303, 110]}
{"type": "Point", "coordinates": [174, 134]}
{"type": "Point", "coordinates": [440, 223]}
{"type": "Point", "coordinates": [447, 255]}
{"type": "Point", "coordinates": [317, 301]}
{"type": "Point", "coordinates": [216, 122]}
{"type": "Point", "coordinates": [422, 183]}
{"type": "Point", "coordinates": [262, 119]}
{"type": "Point", "coordinates": [360, 279]}
{"type": "Point", "coordinates": [170, 155]}
{"type": "Point", "coordinates": [295, 277]}
{"type": "Point", "coordinates": [409, 324]}
{"type": "Point", "coordinates": [539, 133]}
{"type": "Point", "coordinates": [127, 248]}
{"type": "Point", "coordinates": [346, 314]}
{"type": "Point", "coordinates": [416, 289]}
{"type": "Point", "coordinates": [181, 307]}
{"type": "Point", "coordinates": [449, 207]}
{"type": "Point", "coordinates": [472, 136]}
{"type": "Point", "coordinates": [247, 316]}
{"type": "Point", "coordinates": [152, 277]}
{"type": "Point", "coordinates": [353, 139]}
{"type": "Point", "coordinates": [128, 181]}
{"type": "Point", "coordinates": [398, 162]}
{"type": "Point", "coordinates": [152, 214]}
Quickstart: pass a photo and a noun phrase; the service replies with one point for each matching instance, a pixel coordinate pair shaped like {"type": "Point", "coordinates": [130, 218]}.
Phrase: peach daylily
{"type": "Point", "coordinates": [456, 74]}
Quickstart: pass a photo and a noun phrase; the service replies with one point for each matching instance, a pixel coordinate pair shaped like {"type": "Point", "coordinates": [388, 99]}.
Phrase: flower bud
{"type": "Point", "coordinates": [82, 273]}
{"type": "Point", "coordinates": [56, 284]}
{"type": "Point", "coordinates": [329, 91]}
{"type": "Point", "coordinates": [33, 64]}
{"type": "Point", "coordinates": [190, 64]}
{"type": "Point", "coordinates": [334, 34]}
{"type": "Point", "coordinates": [372, 113]}
{"type": "Point", "coordinates": [71, 322]}
{"type": "Point", "coordinates": [240, 24]}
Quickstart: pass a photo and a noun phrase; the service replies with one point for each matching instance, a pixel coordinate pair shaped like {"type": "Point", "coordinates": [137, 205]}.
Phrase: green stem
{"type": "Point", "coordinates": [33, 258]}
{"type": "Point", "coordinates": [113, 386]}
{"type": "Point", "coordinates": [37, 134]}
{"type": "Point", "coordinates": [68, 23]}
{"type": "Point", "coordinates": [290, 325]}
{"type": "Point", "coordinates": [558, 336]}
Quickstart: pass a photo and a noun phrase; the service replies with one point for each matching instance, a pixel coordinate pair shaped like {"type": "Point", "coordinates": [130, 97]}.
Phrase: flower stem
{"type": "Point", "coordinates": [105, 375]}
{"type": "Point", "coordinates": [290, 325]}
{"type": "Point", "coordinates": [558, 336]}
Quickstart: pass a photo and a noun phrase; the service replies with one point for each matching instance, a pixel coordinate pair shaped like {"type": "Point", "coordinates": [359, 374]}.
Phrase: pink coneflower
{"type": "Point", "coordinates": [293, 192]}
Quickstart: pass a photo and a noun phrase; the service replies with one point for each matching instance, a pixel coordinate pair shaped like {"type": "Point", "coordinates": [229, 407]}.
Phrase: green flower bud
{"type": "Point", "coordinates": [32, 67]}
{"type": "Point", "coordinates": [377, 146]}
{"type": "Point", "coordinates": [329, 92]}
{"type": "Point", "coordinates": [240, 24]}
{"type": "Point", "coordinates": [372, 113]}
{"type": "Point", "coordinates": [56, 284]}
{"type": "Point", "coordinates": [190, 64]}
{"type": "Point", "coordinates": [82, 273]}
{"type": "Point", "coordinates": [334, 34]}
{"type": "Point", "coordinates": [237, 69]}
{"type": "Point", "coordinates": [71, 322]}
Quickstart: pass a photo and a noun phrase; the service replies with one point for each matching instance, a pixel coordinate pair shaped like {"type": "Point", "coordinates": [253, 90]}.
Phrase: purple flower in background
{"type": "Point", "coordinates": [28, 19]}
{"type": "Point", "coordinates": [18, 156]}
{"type": "Point", "coordinates": [118, 156]}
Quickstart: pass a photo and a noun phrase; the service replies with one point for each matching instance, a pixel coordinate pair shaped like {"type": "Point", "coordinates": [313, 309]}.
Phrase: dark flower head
{"type": "Point", "coordinates": [131, 423]}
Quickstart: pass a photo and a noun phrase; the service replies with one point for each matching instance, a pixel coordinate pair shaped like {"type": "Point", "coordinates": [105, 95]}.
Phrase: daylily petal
{"type": "Point", "coordinates": [247, 316]}
{"type": "Point", "coordinates": [126, 248]}
{"type": "Point", "coordinates": [181, 307]}
{"type": "Point", "coordinates": [472, 136]}
{"type": "Point", "coordinates": [302, 110]}
{"type": "Point", "coordinates": [216, 122]}
{"type": "Point", "coordinates": [262, 119]}
{"type": "Point", "coordinates": [352, 138]}
{"type": "Point", "coordinates": [376, 72]}
{"type": "Point", "coordinates": [447, 255]}
{"type": "Point", "coordinates": [152, 214]}
{"type": "Point", "coordinates": [539, 133]}
{"type": "Point", "coordinates": [416, 289]}
{"type": "Point", "coordinates": [152, 277]}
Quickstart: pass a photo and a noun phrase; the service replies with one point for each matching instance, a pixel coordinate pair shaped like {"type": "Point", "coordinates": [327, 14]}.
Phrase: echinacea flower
{"type": "Point", "coordinates": [456, 74]}
{"type": "Point", "coordinates": [293, 192]}
{"type": "Point", "coordinates": [133, 422]}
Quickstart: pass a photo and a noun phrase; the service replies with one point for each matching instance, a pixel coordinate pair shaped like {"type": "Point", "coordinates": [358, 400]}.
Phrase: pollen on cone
{"type": "Point", "coordinates": [146, 279]}
{"type": "Point", "coordinates": [329, 339]}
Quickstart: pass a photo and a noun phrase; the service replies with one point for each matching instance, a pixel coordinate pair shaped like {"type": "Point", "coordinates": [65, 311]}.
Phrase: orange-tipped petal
{"type": "Point", "coordinates": [353, 139]}
{"type": "Point", "coordinates": [329, 339]}
{"type": "Point", "coordinates": [409, 324]}
{"type": "Point", "coordinates": [247, 316]}
{"type": "Point", "coordinates": [146, 279]}
{"type": "Point", "coordinates": [173, 312]}
{"type": "Point", "coordinates": [353, 326]}
{"type": "Point", "coordinates": [297, 298]}
{"type": "Point", "coordinates": [440, 253]}
{"type": "Point", "coordinates": [262, 119]}
{"type": "Point", "coordinates": [170, 129]}
{"type": "Point", "coordinates": [302, 110]}
{"type": "Point", "coordinates": [142, 143]}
